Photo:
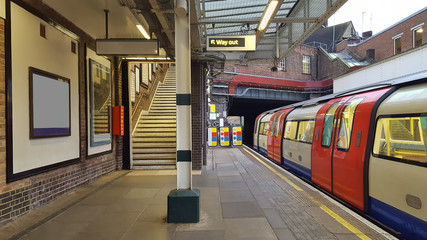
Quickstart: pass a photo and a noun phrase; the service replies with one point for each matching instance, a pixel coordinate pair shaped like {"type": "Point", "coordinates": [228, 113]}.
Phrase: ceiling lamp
{"type": "Point", "coordinates": [143, 32]}
{"type": "Point", "coordinates": [266, 17]}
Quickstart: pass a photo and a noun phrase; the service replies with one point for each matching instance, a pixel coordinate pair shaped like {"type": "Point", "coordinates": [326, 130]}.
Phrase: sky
{"type": "Point", "coordinates": [377, 14]}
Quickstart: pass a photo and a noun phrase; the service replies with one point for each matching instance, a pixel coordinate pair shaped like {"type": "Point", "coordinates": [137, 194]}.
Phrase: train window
{"type": "Point", "coordinates": [305, 131]}
{"type": "Point", "coordinates": [329, 124]}
{"type": "Point", "coordinates": [261, 128]}
{"type": "Point", "coordinates": [346, 125]}
{"type": "Point", "coordinates": [266, 129]}
{"type": "Point", "coordinates": [402, 138]}
{"type": "Point", "coordinates": [278, 125]}
{"type": "Point", "coordinates": [290, 130]}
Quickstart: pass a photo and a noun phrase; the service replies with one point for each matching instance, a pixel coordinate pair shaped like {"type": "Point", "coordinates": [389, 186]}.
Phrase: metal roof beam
{"type": "Point", "coordinates": [256, 21]}
{"type": "Point", "coordinates": [226, 9]}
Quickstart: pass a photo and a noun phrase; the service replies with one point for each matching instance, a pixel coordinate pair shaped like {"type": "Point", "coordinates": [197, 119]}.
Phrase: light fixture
{"type": "Point", "coordinates": [267, 14]}
{"type": "Point", "coordinates": [143, 32]}
{"type": "Point", "coordinates": [420, 30]}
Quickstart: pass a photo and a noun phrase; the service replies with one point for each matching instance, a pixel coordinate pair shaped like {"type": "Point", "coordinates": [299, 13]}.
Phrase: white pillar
{"type": "Point", "coordinates": [183, 95]}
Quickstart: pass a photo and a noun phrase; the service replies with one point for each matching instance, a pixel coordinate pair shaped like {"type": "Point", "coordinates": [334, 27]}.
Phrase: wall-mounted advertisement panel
{"type": "Point", "coordinates": [99, 104]}
{"type": "Point", "coordinates": [43, 113]}
{"type": "Point", "coordinates": [49, 105]}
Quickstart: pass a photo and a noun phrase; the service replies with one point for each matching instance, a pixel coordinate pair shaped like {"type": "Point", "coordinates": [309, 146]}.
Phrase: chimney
{"type": "Point", "coordinates": [366, 35]}
{"type": "Point", "coordinates": [370, 53]}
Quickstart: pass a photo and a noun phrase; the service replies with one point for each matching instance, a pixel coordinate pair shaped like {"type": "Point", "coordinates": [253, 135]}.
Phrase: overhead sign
{"type": "Point", "coordinates": [127, 47]}
{"type": "Point", "coordinates": [231, 43]}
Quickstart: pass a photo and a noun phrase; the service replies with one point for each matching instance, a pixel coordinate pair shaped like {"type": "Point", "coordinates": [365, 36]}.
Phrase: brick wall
{"type": "Point", "coordinates": [384, 43]}
{"type": "Point", "coordinates": [18, 197]}
{"type": "Point", "coordinates": [330, 68]}
{"type": "Point", "coordinates": [198, 99]}
{"type": "Point", "coordinates": [293, 64]}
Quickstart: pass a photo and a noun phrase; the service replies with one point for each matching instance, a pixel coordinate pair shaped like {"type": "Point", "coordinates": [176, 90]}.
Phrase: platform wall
{"type": "Point", "coordinates": [43, 169]}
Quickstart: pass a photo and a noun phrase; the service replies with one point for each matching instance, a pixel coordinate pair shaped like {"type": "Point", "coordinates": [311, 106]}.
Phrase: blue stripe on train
{"type": "Point", "coordinates": [262, 151]}
{"type": "Point", "coordinates": [298, 169]}
{"type": "Point", "coordinates": [409, 226]}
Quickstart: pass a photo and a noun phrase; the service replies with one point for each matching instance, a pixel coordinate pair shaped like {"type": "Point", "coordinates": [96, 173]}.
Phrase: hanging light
{"type": "Point", "coordinates": [267, 14]}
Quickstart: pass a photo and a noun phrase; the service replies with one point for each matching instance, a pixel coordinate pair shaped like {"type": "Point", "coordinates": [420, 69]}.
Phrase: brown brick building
{"type": "Point", "coordinates": [400, 37]}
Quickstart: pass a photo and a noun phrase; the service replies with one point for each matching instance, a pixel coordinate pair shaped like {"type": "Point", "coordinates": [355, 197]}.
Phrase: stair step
{"type": "Point", "coordinates": [163, 108]}
{"type": "Point", "coordinates": [154, 140]}
{"type": "Point", "coordinates": [158, 125]}
{"type": "Point", "coordinates": [165, 98]}
{"type": "Point", "coordinates": [165, 101]}
{"type": "Point", "coordinates": [160, 145]}
{"type": "Point", "coordinates": [157, 129]}
{"type": "Point", "coordinates": [153, 150]}
{"type": "Point", "coordinates": [155, 134]}
{"type": "Point", "coordinates": [144, 117]}
{"type": "Point", "coordinates": [154, 162]}
{"type": "Point", "coordinates": [101, 117]}
{"type": "Point", "coordinates": [170, 101]}
{"type": "Point", "coordinates": [163, 114]}
{"type": "Point", "coordinates": [154, 121]}
{"type": "Point", "coordinates": [155, 167]}
{"type": "Point", "coordinates": [140, 156]}
{"type": "Point", "coordinates": [160, 104]}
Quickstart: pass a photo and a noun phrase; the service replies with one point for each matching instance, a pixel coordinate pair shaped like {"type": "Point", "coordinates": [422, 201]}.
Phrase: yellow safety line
{"type": "Point", "coordinates": [327, 210]}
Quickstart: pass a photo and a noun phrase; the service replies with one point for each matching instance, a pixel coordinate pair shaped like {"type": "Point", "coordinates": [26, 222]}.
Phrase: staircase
{"type": "Point", "coordinates": [154, 140]}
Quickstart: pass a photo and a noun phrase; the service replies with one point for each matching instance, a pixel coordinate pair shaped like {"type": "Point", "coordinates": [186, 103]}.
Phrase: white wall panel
{"type": "Point", "coordinates": [52, 55]}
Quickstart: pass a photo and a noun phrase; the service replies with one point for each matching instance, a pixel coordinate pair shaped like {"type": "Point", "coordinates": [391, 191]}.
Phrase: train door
{"type": "Point", "coordinates": [322, 147]}
{"type": "Point", "coordinates": [264, 132]}
{"type": "Point", "coordinates": [256, 131]}
{"type": "Point", "coordinates": [277, 141]}
{"type": "Point", "coordinates": [348, 166]}
{"type": "Point", "coordinates": [270, 137]}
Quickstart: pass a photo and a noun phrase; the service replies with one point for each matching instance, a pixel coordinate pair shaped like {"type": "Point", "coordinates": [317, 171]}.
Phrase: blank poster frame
{"type": "Point", "coordinates": [50, 104]}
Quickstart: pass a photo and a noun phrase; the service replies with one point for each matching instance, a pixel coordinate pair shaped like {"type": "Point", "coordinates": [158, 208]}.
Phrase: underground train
{"type": "Point", "coordinates": [366, 147]}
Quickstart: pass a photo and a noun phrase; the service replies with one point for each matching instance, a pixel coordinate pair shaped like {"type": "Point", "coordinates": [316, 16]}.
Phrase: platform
{"type": "Point", "coordinates": [243, 196]}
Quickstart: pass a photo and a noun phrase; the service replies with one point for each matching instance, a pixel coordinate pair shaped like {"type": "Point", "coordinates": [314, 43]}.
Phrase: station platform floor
{"type": "Point", "coordinates": [243, 196]}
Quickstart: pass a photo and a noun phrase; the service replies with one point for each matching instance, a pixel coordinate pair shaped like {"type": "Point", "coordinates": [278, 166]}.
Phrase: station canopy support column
{"type": "Point", "coordinates": [183, 202]}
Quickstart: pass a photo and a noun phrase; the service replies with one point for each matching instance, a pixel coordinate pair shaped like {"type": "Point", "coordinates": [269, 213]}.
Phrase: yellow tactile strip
{"type": "Point", "coordinates": [331, 213]}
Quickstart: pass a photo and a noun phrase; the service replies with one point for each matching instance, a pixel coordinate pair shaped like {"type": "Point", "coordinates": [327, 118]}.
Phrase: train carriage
{"type": "Point", "coordinates": [297, 139]}
{"type": "Point", "coordinates": [398, 162]}
{"type": "Point", "coordinates": [367, 147]}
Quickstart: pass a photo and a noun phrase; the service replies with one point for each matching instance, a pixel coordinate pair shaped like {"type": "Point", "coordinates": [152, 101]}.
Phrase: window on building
{"type": "Point", "coordinates": [282, 65]}
{"type": "Point", "coordinates": [397, 44]}
{"type": "Point", "coordinates": [306, 65]}
{"type": "Point", "coordinates": [418, 35]}
{"type": "Point", "coordinates": [346, 126]}
{"type": "Point", "coordinates": [401, 138]}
